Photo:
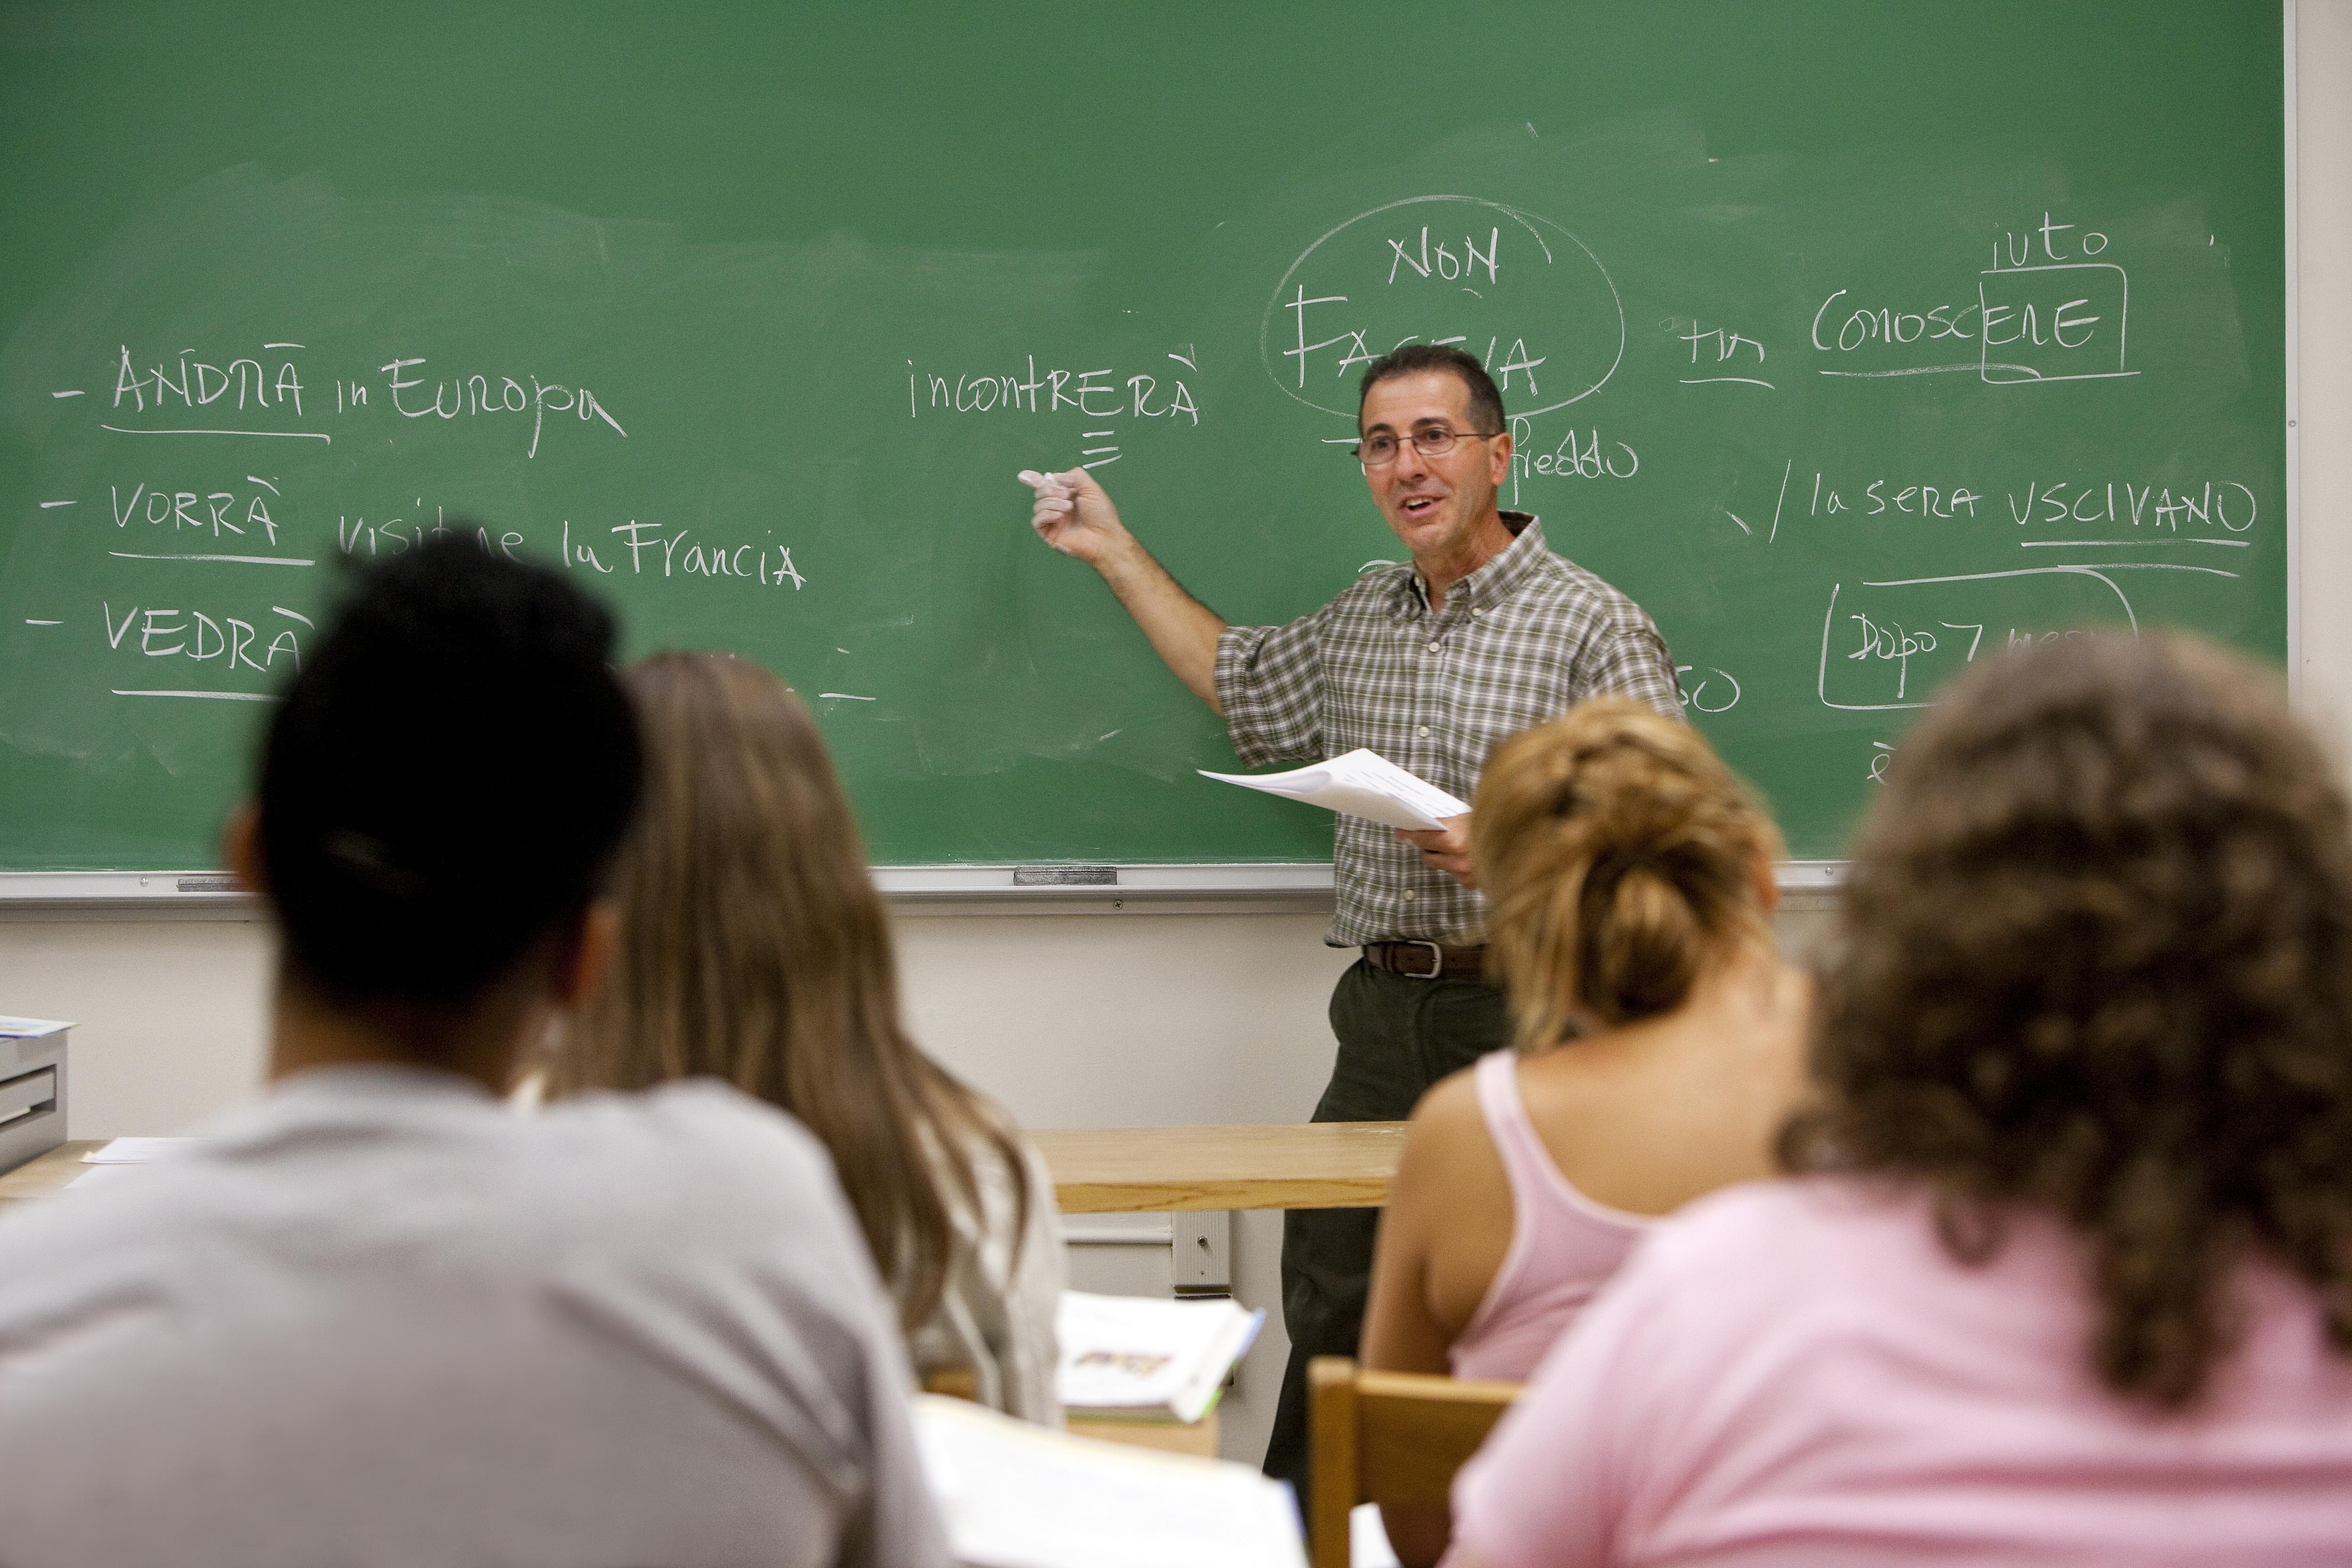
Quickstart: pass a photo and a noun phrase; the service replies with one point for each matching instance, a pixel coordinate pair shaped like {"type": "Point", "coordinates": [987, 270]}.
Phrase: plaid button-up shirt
{"type": "Point", "coordinates": [1522, 640]}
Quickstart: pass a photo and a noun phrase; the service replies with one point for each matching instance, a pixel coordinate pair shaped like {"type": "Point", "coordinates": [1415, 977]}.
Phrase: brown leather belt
{"type": "Point", "coordinates": [1427, 960]}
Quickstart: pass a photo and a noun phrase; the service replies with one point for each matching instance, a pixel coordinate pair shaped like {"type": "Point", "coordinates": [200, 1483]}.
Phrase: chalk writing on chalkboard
{"type": "Point", "coordinates": [1521, 292]}
{"type": "Point", "coordinates": [238, 644]}
{"type": "Point", "coordinates": [1905, 633]}
{"type": "Point", "coordinates": [1100, 397]}
{"type": "Point", "coordinates": [2044, 312]}
{"type": "Point", "coordinates": [197, 383]}
{"type": "Point", "coordinates": [1774, 360]}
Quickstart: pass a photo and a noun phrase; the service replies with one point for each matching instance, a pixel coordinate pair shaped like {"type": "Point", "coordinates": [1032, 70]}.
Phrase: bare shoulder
{"type": "Point", "coordinates": [1448, 1107]}
{"type": "Point", "coordinates": [1447, 1137]}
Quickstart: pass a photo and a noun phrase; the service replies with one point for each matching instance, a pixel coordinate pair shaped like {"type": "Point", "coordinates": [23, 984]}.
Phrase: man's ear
{"type": "Point", "coordinates": [1498, 451]}
{"type": "Point", "coordinates": [241, 847]}
{"type": "Point", "coordinates": [589, 956]}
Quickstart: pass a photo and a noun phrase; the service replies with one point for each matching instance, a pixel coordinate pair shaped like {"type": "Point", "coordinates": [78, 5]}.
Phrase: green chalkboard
{"type": "Point", "coordinates": [1853, 340]}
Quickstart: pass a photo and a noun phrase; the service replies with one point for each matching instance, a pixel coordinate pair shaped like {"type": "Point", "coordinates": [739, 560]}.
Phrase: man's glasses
{"type": "Point", "coordinates": [1379, 451]}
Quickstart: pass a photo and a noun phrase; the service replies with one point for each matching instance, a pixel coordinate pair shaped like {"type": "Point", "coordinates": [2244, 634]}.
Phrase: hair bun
{"type": "Point", "coordinates": [1618, 855]}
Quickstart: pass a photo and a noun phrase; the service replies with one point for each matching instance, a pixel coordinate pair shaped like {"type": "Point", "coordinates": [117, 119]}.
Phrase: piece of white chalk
{"type": "Point", "coordinates": [1037, 482]}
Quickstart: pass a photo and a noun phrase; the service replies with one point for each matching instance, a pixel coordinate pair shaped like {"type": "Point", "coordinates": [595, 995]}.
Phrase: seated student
{"type": "Point", "coordinates": [1660, 1044]}
{"type": "Point", "coordinates": [753, 949]}
{"type": "Point", "coordinates": [2068, 1277]}
{"type": "Point", "coordinates": [381, 1319]}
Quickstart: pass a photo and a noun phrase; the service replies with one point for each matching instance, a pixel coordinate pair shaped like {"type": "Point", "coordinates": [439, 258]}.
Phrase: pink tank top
{"type": "Point", "coordinates": [1563, 1244]}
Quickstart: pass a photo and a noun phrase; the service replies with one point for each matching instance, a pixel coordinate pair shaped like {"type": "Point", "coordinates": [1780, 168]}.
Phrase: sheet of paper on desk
{"type": "Point", "coordinates": [1360, 782]}
{"type": "Point", "coordinates": [29, 1028]}
{"type": "Point", "coordinates": [113, 1177]}
{"type": "Point", "coordinates": [139, 1151]}
{"type": "Point", "coordinates": [1018, 1496]}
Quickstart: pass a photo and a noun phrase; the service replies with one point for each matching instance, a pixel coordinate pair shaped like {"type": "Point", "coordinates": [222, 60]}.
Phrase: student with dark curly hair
{"type": "Point", "coordinates": [2065, 1271]}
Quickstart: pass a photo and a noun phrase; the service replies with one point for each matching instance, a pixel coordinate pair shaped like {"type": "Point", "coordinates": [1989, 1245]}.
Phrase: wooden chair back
{"type": "Point", "coordinates": [955, 1381]}
{"type": "Point", "coordinates": [1390, 1437]}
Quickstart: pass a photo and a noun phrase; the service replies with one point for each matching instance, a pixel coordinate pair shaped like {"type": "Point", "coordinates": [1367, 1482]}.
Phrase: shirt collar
{"type": "Point", "coordinates": [365, 1091]}
{"type": "Point", "coordinates": [1491, 583]}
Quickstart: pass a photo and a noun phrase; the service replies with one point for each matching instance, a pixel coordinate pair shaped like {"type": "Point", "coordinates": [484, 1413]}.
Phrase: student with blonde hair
{"type": "Point", "coordinates": [1658, 1046]}
{"type": "Point", "coordinates": [2066, 1273]}
{"type": "Point", "coordinates": [754, 949]}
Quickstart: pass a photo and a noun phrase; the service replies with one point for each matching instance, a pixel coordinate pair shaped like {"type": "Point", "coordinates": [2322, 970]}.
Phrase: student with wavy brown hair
{"type": "Point", "coordinates": [2066, 1274]}
{"type": "Point", "coordinates": [1658, 1044]}
{"type": "Point", "coordinates": [754, 949]}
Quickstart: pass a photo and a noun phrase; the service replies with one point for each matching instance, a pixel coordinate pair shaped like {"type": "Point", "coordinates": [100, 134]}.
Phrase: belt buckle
{"type": "Point", "coordinates": [1436, 960]}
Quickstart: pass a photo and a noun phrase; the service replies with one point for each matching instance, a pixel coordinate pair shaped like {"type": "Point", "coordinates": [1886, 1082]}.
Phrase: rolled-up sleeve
{"type": "Point", "coordinates": [1630, 660]}
{"type": "Point", "coordinates": [1270, 684]}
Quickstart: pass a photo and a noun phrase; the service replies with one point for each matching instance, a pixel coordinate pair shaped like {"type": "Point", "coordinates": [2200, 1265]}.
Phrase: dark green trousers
{"type": "Point", "coordinates": [1397, 1036]}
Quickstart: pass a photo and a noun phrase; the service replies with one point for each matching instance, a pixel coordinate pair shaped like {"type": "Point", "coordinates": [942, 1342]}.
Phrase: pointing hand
{"type": "Point", "coordinates": [1073, 514]}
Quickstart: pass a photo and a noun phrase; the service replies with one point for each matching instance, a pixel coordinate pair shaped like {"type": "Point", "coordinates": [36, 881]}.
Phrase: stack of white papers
{"type": "Point", "coordinates": [29, 1028]}
{"type": "Point", "coordinates": [1361, 784]}
{"type": "Point", "coordinates": [1018, 1496]}
{"type": "Point", "coordinates": [1142, 1358]}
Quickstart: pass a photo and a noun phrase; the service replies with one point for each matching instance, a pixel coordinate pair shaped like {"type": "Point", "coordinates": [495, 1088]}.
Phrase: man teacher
{"type": "Point", "coordinates": [1485, 633]}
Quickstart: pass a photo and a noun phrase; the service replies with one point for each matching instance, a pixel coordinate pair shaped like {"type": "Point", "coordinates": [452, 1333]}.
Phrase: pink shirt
{"type": "Point", "coordinates": [1795, 1373]}
{"type": "Point", "coordinates": [1563, 1244]}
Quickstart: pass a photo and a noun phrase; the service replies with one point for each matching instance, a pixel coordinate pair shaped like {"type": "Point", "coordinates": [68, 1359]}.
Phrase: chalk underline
{"type": "Point", "coordinates": [220, 696]}
{"type": "Point", "coordinates": [2125, 543]}
{"type": "Point", "coordinates": [286, 435]}
{"type": "Point", "coordinates": [248, 560]}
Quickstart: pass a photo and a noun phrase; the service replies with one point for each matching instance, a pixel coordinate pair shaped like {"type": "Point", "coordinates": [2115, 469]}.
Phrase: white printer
{"type": "Point", "coordinates": [32, 1088]}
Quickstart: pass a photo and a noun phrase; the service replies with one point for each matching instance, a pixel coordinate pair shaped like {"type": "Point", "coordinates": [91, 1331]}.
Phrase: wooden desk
{"type": "Point", "coordinates": [46, 1172]}
{"type": "Point", "coordinates": [1199, 1439]}
{"type": "Point", "coordinates": [1137, 1170]}
{"type": "Point", "coordinates": [1109, 1170]}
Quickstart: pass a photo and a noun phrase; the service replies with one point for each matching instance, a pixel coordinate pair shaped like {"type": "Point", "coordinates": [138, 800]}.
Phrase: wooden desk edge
{"type": "Point", "coordinates": [1083, 1195]}
{"type": "Point", "coordinates": [1200, 1438]}
{"type": "Point", "coordinates": [47, 1171]}
{"type": "Point", "coordinates": [1341, 1165]}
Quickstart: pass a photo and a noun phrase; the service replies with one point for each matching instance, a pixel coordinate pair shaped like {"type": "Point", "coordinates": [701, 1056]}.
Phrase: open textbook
{"type": "Point", "coordinates": [1018, 1496]}
{"type": "Point", "coordinates": [1362, 783]}
{"type": "Point", "coordinates": [1145, 1358]}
